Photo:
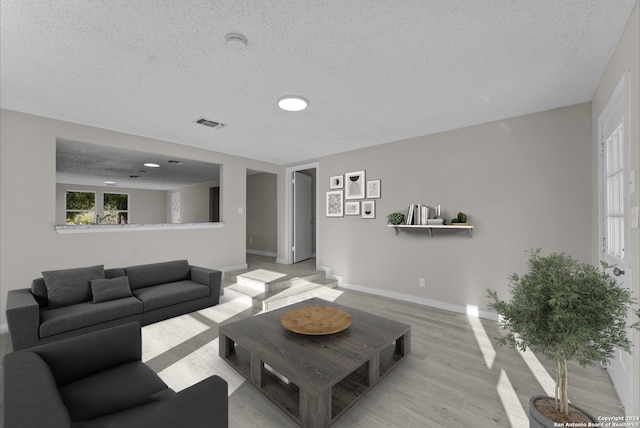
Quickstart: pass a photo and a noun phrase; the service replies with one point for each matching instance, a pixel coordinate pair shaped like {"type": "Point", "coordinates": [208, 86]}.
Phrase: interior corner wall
{"type": "Point", "coordinates": [29, 243]}
{"type": "Point", "coordinates": [524, 182]}
{"type": "Point", "coordinates": [626, 58]}
{"type": "Point", "coordinates": [262, 212]}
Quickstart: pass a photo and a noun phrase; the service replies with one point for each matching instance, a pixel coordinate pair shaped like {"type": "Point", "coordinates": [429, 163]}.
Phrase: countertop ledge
{"type": "Point", "coordinates": [102, 228]}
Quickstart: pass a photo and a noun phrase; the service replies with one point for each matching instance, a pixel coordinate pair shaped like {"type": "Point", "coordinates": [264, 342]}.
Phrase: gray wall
{"type": "Point", "coordinates": [525, 182]}
{"type": "Point", "coordinates": [29, 242]}
{"type": "Point", "coordinates": [262, 212]}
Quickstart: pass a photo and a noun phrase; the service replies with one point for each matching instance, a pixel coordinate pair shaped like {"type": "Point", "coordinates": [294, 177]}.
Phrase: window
{"type": "Point", "coordinates": [115, 208]}
{"type": "Point", "coordinates": [80, 207]}
{"type": "Point", "coordinates": [615, 201]}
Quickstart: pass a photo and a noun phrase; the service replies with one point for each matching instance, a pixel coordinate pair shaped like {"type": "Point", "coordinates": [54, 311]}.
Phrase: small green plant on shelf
{"type": "Point", "coordinates": [395, 218]}
{"type": "Point", "coordinates": [461, 219]}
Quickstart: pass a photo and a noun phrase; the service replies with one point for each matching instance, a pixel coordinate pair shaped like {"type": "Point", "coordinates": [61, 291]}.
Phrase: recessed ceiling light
{"type": "Point", "coordinates": [293, 103]}
{"type": "Point", "coordinates": [109, 183]}
{"type": "Point", "coordinates": [152, 165]}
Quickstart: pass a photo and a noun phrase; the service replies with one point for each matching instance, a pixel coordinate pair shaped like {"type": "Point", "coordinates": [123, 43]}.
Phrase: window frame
{"type": "Point", "coordinates": [117, 212]}
{"type": "Point", "coordinates": [67, 210]}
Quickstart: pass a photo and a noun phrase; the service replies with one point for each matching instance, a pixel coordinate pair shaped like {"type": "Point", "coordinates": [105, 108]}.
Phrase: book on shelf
{"type": "Point", "coordinates": [418, 214]}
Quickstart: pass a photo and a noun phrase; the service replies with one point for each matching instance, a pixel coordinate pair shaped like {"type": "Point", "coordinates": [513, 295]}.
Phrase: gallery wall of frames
{"type": "Point", "coordinates": [351, 194]}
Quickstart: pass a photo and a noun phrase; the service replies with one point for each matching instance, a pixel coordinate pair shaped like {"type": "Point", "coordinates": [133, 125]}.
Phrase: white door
{"type": "Point", "coordinates": [615, 223]}
{"type": "Point", "coordinates": [175, 207]}
{"type": "Point", "coordinates": [302, 217]}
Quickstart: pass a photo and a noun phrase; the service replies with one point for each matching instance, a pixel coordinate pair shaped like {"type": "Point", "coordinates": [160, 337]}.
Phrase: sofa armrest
{"type": "Point", "coordinates": [81, 356]}
{"type": "Point", "coordinates": [23, 318]}
{"type": "Point", "coordinates": [203, 405]}
{"type": "Point", "coordinates": [209, 277]}
{"type": "Point", "coordinates": [29, 396]}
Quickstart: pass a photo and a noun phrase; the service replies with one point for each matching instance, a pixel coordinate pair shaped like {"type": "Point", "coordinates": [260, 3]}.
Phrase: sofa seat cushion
{"type": "Point", "coordinates": [111, 391]}
{"type": "Point", "coordinates": [68, 318]}
{"type": "Point", "coordinates": [146, 415]}
{"type": "Point", "coordinates": [157, 273]}
{"type": "Point", "coordinates": [163, 295]}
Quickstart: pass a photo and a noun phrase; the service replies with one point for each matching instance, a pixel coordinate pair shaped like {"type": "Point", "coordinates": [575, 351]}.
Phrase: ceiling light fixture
{"type": "Point", "coordinates": [152, 165]}
{"type": "Point", "coordinates": [293, 103]}
{"type": "Point", "coordinates": [109, 183]}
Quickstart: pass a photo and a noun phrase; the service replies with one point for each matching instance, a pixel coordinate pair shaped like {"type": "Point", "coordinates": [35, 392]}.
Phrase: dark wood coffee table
{"type": "Point", "coordinates": [314, 378]}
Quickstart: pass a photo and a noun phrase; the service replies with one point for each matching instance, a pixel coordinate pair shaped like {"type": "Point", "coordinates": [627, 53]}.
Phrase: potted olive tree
{"type": "Point", "coordinates": [563, 309]}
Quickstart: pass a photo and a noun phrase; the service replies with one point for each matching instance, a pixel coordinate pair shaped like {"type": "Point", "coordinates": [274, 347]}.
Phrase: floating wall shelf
{"type": "Point", "coordinates": [430, 227]}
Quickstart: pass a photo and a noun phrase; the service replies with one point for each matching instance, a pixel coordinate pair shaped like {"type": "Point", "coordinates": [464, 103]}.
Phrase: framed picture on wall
{"type": "Point", "coordinates": [336, 182]}
{"type": "Point", "coordinates": [352, 208]}
{"type": "Point", "coordinates": [373, 189]}
{"type": "Point", "coordinates": [354, 185]}
{"type": "Point", "coordinates": [368, 209]}
{"type": "Point", "coordinates": [334, 203]}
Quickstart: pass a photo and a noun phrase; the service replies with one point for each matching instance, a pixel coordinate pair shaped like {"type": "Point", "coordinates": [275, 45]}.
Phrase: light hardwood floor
{"type": "Point", "coordinates": [455, 375]}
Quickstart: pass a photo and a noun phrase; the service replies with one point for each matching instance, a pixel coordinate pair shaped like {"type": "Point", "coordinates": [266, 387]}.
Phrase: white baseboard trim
{"type": "Point", "coordinates": [284, 261]}
{"type": "Point", "coordinates": [262, 253]}
{"type": "Point", "coordinates": [473, 311]}
{"type": "Point", "coordinates": [232, 268]}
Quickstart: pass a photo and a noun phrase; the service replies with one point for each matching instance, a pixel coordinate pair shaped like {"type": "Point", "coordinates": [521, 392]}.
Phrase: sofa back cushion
{"type": "Point", "coordinates": [70, 286]}
{"type": "Point", "coordinates": [39, 289]}
{"type": "Point", "coordinates": [30, 396]}
{"type": "Point", "coordinates": [114, 273]}
{"type": "Point", "coordinates": [81, 356]}
{"type": "Point", "coordinates": [157, 273]}
{"type": "Point", "coordinates": [114, 390]}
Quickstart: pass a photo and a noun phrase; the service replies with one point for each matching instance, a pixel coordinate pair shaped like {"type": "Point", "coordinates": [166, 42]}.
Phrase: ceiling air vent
{"type": "Point", "coordinates": [209, 123]}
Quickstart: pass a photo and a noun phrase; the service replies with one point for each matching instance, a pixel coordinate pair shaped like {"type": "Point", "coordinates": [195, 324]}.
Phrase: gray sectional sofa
{"type": "Point", "coordinates": [97, 380]}
{"type": "Point", "coordinates": [68, 302]}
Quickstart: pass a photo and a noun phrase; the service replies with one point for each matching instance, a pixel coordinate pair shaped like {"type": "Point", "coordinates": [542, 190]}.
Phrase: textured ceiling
{"type": "Point", "coordinates": [374, 71]}
{"type": "Point", "coordinates": [89, 164]}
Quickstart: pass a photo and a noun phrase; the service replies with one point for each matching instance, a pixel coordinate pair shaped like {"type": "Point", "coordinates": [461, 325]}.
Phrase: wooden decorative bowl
{"type": "Point", "coordinates": [316, 320]}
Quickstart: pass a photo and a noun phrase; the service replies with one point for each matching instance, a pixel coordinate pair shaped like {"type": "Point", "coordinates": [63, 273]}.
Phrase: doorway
{"type": "Point", "coordinates": [301, 212]}
{"type": "Point", "coordinates": [176, 210]}
{"type": "Point", "coordinates": [214, 204]}
{"type": "Point", "coordinates": [262, 213]}
{"type": "Point", "coordinates": [615, 215]}
{"type": "Point", "coordinates": [302, 216]}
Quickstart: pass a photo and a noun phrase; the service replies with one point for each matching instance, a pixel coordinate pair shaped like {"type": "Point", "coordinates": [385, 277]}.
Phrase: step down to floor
{"type": "Point", "coordinates": [260, 280]}
{"type": "Point", "coordinates": [270, 290]}
{"type": "Point", "coordinates": [300, 289]}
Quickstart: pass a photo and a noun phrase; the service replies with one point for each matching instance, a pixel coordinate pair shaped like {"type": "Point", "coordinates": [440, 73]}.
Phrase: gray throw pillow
{"type": "Point", "coordinates": [104, 290]}
{"type": "Point", "coordinates": [70, 286]}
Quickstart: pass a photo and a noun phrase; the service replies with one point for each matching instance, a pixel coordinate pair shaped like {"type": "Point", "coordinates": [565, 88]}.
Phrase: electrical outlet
{"type": "Point", "coordinates": [422, 282]}
{"type": "Point", "coordinates": [250, 240]}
